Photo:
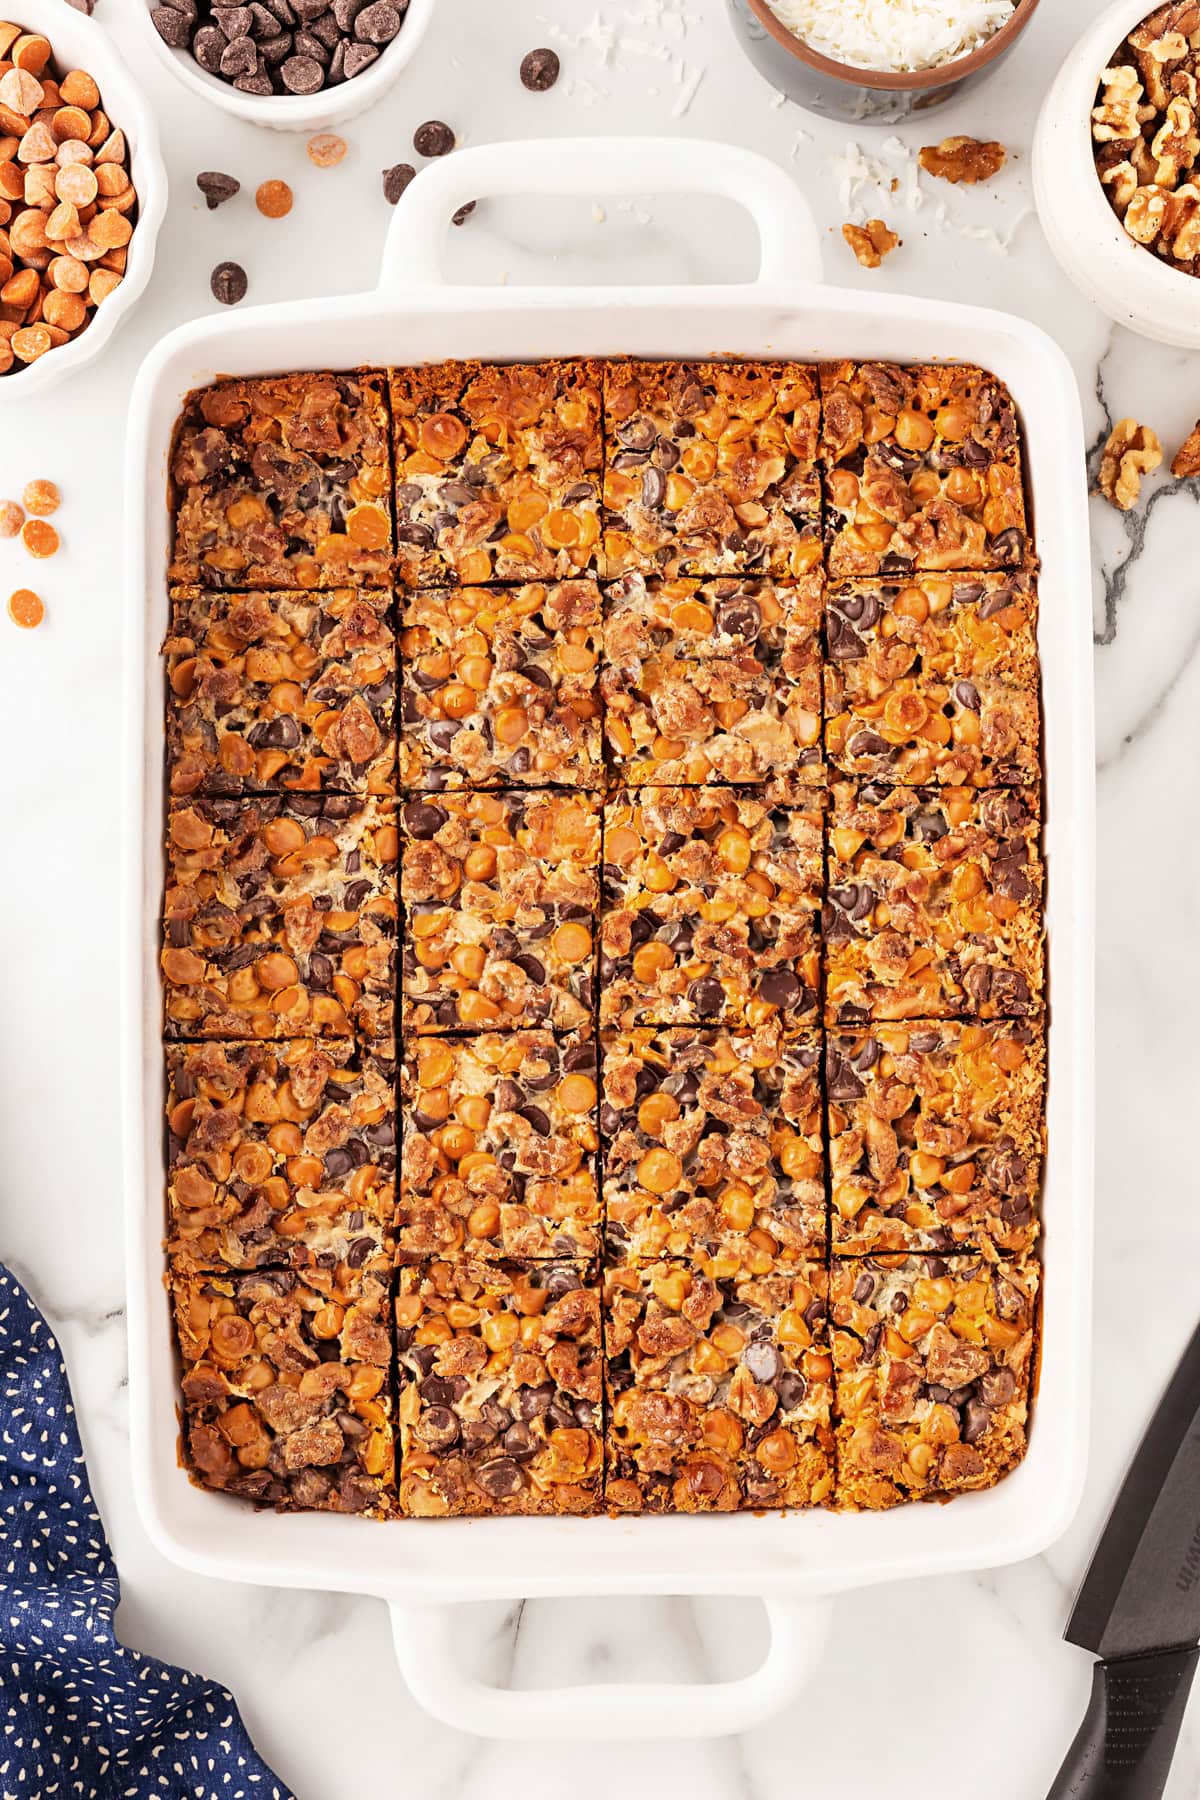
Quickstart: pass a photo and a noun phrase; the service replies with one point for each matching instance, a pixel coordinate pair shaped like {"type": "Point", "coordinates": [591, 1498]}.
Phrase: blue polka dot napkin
{"type": "Point", "coordinates": [84, 1718]}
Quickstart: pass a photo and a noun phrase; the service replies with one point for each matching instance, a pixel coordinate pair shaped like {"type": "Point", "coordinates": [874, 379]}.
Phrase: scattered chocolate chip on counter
{"type": "Point", "coordinates": [229, 283]}
{"type": "Point", "coordinates": [539, 70]}
{"type": "Point", "coordinates": [395, 180]}
{"type": "Point", "coordinates": [281, 47]}
{"type": "Point", "coordinates": [433, 138]}
{"type": "Point", "coordinates": [217, 187]}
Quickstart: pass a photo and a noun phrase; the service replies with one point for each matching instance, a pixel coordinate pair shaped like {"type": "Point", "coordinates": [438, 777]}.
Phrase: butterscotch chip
{"type": "Point", "coordinates": [71, 122]}
{"type": "Point", "coordinates": [65, 312]}
{"type": "Point", "coordinates": [39, 538]}
{"type": "Point", "coordinates": [112, 182]}
{"type": "Point", "coordinates": [101, 284]}
{"type": "Point", "coordinates": [11, 518]}
{"type": "Point", "coordinates": [25, 609]}
{"type": "Point", "coordinates": [38, 144]}
{"type": "Point", "coordinates": [326, 149]}
{"type": "Point", "coordinates": [112, 150]}
{"type": "Point", "coordinates": [28, 344]}
{"type": "Point", "coordinates": [21, 91]}
{"type": "Point", "coordinates": [68, 274]}
{"type": "Point", "coordinates": [274, 199]}
{"type": "Point", "coordinates": [61, 224]}
{"type": "Point", "coordinates": [31, 52]}
{"type": "Point", "coordinates": [78, 89]}
{"type": "Point", "coordinates": [40, 498]}
{"type": "Point", "coordinates": [110, 231]}
{"type": "Point", "coordinates": [78, 184]}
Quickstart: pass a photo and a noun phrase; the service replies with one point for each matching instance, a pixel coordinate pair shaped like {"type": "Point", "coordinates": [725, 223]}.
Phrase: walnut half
{"type": "Point", "coordinates": [1132, 451]}
{"type": "Point", "coordinates": [963, 159]}
{"type": "Point", "coordinates": [870, 242]}
{"type": "Point", "coordinates": [1186, 461]}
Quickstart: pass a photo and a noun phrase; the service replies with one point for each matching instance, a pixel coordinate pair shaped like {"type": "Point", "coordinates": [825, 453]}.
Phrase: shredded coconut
{"type": "Point", "coordinates": [893, 35]}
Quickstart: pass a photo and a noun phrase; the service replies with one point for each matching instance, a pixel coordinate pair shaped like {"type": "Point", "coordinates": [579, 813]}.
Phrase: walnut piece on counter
{"type": "Point", "coordinates": [1132, 451]}
{"type": "Point", "coordinates": [871, 242]}
{"type": "Point", "coordinates": [1186, 461]}
{"type": "Point", "coordinates": [963, 159]}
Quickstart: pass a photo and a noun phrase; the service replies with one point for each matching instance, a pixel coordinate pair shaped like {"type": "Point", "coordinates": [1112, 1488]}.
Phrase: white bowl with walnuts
{"type": "Point", "coordinates": [1116, 167]}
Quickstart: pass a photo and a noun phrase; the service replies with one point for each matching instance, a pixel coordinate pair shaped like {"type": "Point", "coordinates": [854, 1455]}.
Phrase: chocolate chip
{"type": "Point", "coordinates": [500, 1480]}
{"type": "Point", "coordinates": [377, 23]}
{"type": "Point", "coordinates": [216, 187]}
{"type": "Point", "coordinates": [174, 28]}
{"type": "Point", "coordinates": [357, 58]}
{"type": "Point", "coordinates": [208, 47]}
{"type": "Point", "coordinates": [762, 1360]}
{"type": "Point", "coordinates": [302, 75]}
{"type": "Point", "coordinates": [239, 57]}
{"type": "Point", "coordinates": [228, 283]}
{"type": "Point", "coordinates": [433, 138]}
{"type": "Point", "coordinates": [463, 213]}
{"type": "Point", "coordinates": [539, 70]}
{"type": "Point", "coordinates": [779, 988]}
{"type": "Point", "coordinates": [707, 997]}
{"type": "Point", "coordinates": [395, 180]}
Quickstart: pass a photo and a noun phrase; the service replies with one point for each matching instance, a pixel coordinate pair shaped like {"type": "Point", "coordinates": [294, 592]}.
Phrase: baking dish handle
{"type": "Point", "coordinates": [425, 1650]}
{"type": "Point", "coordinates": [789, 247]}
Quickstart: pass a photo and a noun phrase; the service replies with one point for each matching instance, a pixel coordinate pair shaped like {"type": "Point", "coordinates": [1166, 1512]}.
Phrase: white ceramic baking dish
{"type": "Point", "coordinates": [795, 1563]}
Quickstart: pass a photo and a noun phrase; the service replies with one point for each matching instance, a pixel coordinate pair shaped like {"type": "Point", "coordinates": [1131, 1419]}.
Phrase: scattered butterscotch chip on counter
{"type": "Point", "coordinates": [41, 498]}
{"type": "Point", "coordinates": [963, 159]}
{"type": "Point", "coordinates": [326, 150]}
{"type": "Point", "coordinates": [11, 518]}
{"type": "Point", "coordinates": [274, 199]}
{"type": "Point", "coordinates": [1132, 451]}
{"type": "Point", "coordinates": [1186, 461]}
{"type": "Point", "coordinates": [39, 538]}
{"type": "Point", "coordinates": [871, 242]}
{"type": "Point", "coordinates": [25, 609]}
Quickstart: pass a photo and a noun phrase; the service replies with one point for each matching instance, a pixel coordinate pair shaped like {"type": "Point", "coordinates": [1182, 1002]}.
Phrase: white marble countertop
{"type": "Point", "coordinates": [959, 1682]}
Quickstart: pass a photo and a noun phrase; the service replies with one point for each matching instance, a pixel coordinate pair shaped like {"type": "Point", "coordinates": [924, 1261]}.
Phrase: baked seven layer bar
{"type": "Point", "coordinates": [280, 1153]}
{"type": "Point", "coordinates": [718, 1388]}
{"type": "Point", "coordinates": [921, 469]}
{"type": "Point", "coordinates": [497, 471]}
{"type": "Point", "coordinates": [712, 1146]}
{"type": "Point", "coordinates": [285, 1387]}
{"type": "Point", "coordinates": [933, 678]}
{"type": "Point", "coordinates": [500, 687]}
{"type": "Point", "coordinates": [712, 902]}
{"type": "Point", "coordinates": [280, 917]}
{"type": "Point", "coordinates": [499, 1146]}
{"type": "Point", "coordinates": [667, 737]}
{"type": "Point", "coordinates": [283, 483]}
{"type": "Point", "coordinates": [935, 1136]}
{"type": "Point", "coordinates": [499, 1387]}
{"type": "Point", "coordinates": [710, 468]}
{"type": "Point", "coordinates": [501, 896]}
{"type": "Point", "coordinates": [933, 904]}
{"type": "Point", "coordinates": [933, 1360]}
{"type": "Point", "coordinates": [272, 692]}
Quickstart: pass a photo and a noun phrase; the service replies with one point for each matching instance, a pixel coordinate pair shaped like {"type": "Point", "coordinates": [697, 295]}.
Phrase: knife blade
{"type": "Point", "coordinates": [1138, 1609]}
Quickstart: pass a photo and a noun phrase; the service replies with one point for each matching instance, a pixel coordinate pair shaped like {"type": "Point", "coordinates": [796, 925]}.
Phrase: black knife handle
{"type": "Point", "coordinates": [1124, 1747]}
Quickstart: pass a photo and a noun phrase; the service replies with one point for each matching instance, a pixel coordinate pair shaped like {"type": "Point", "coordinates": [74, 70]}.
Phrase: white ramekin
{"type": "Point", "coordinates": [80, 43]}
{"type": "Point", "coordinates": [1128, 282]}
{"type": "Point", "coordinates": [295, 112]}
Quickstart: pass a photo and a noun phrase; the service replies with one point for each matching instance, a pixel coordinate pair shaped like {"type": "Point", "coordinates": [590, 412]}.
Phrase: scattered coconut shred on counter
{"type": "Point", "coordinates": [893, 36]}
